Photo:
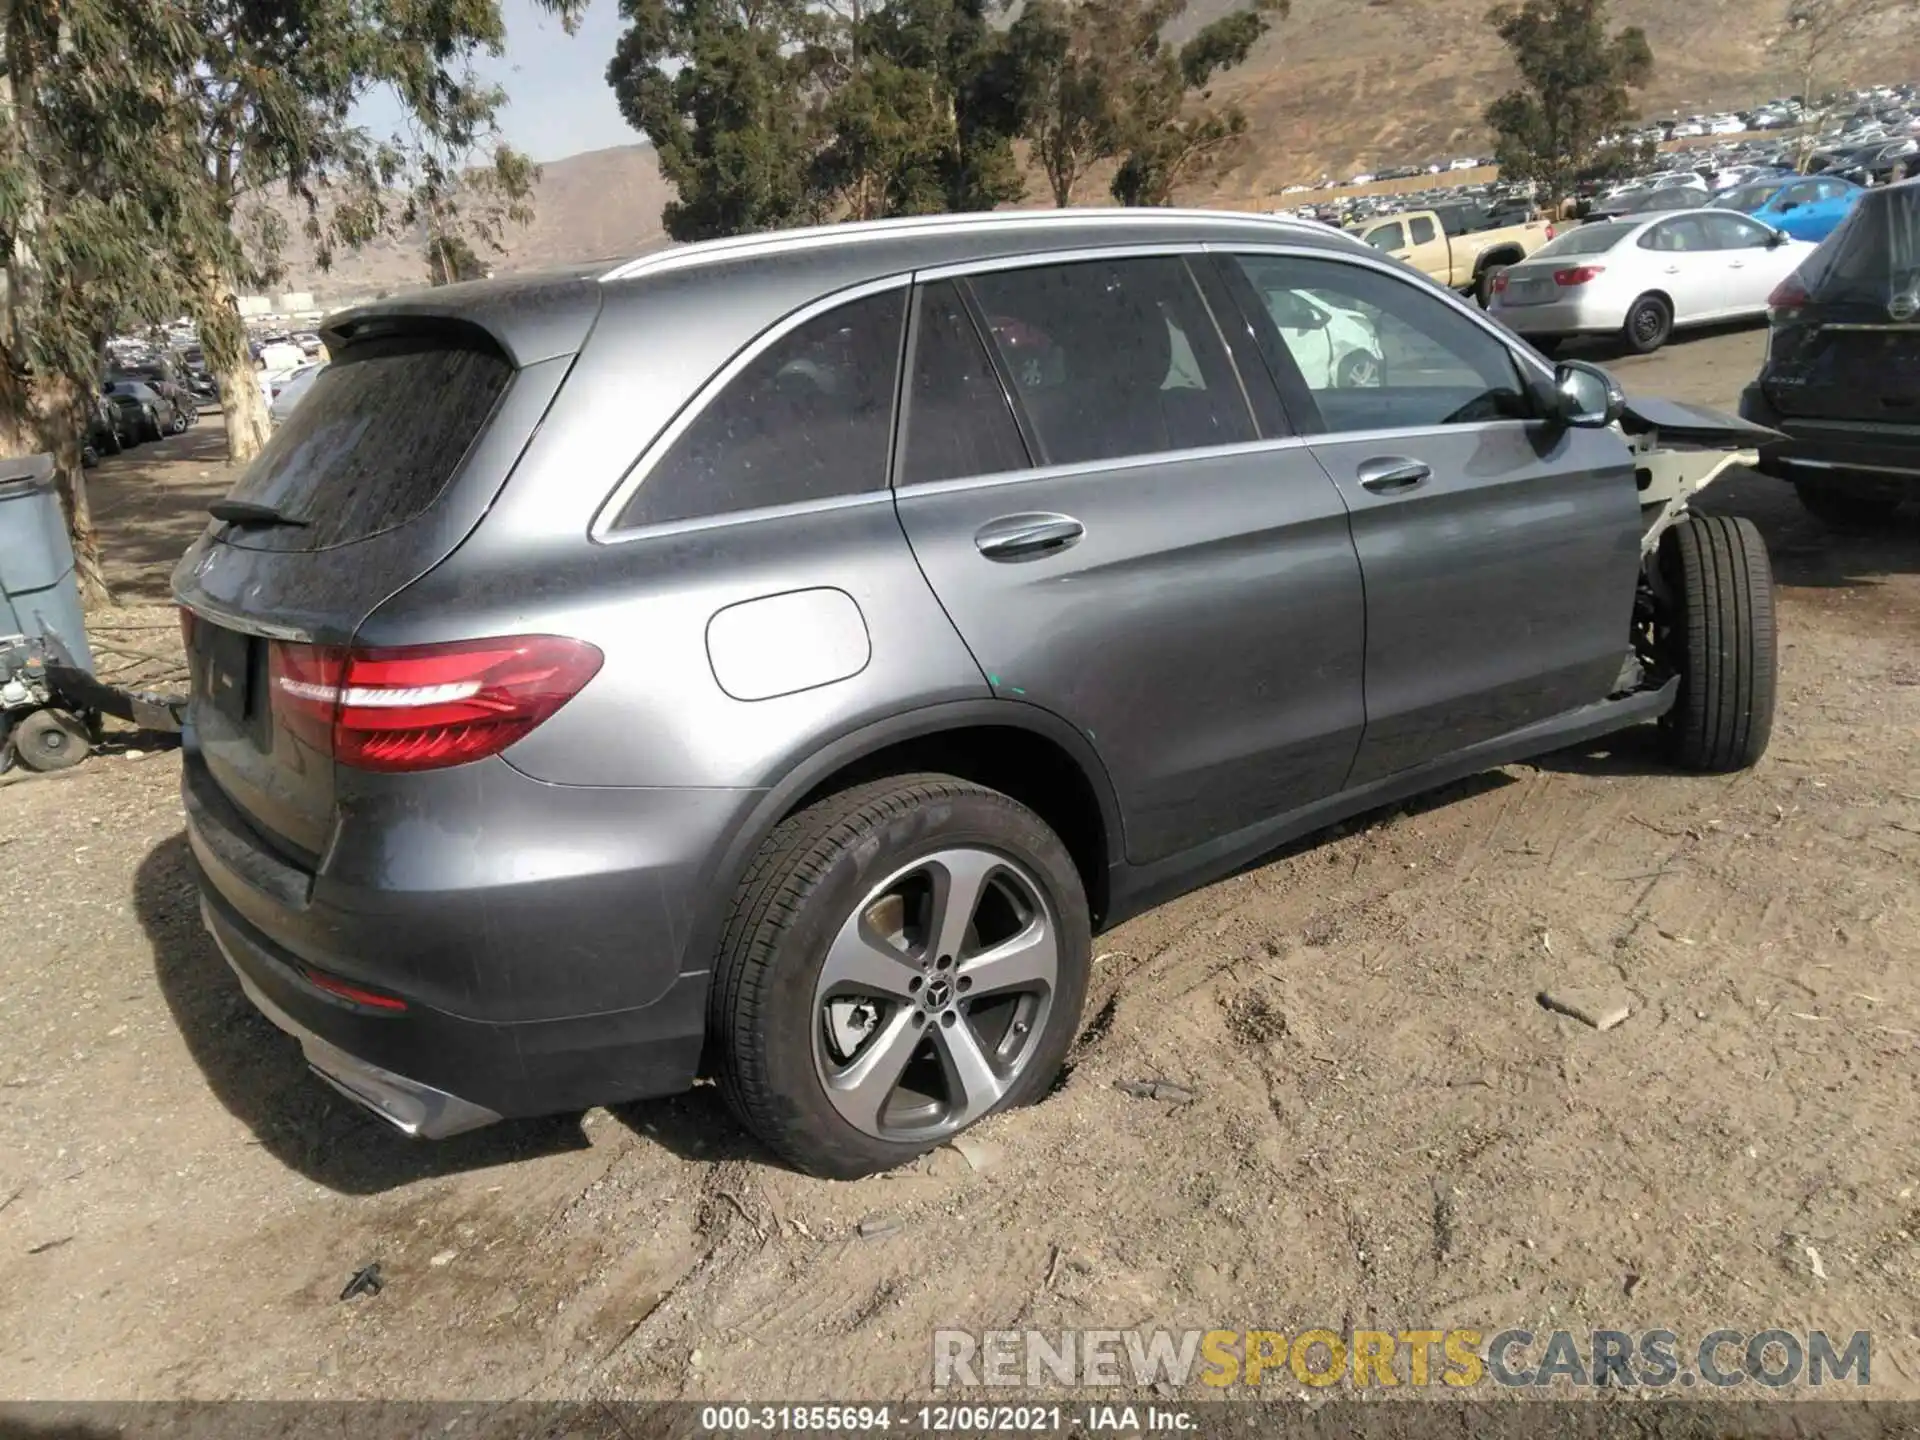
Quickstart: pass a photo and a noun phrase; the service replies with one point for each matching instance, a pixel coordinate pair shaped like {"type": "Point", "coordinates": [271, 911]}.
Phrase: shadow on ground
{"type": "Point", "coordinates": [150, 504]}
{"type": "Point", "coordinates": [258, 1073]}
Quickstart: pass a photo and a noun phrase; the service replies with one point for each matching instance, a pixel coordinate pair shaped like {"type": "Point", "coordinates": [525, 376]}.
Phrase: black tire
{"type": "Point", "coordinates": [181, 420]}
{"type": "Point", "coordinates": [89, 457]}
{"type": "Point", "coordinates": [1649, 325]}
{"type": "Point", "coordinates": [50, 740]}
{"type": "Point", "coordinates": [808, 879]}
{"type": "Point", "coordinates": [1845, 507]}
{"type": "Point", "coordinates": [1721, 638]}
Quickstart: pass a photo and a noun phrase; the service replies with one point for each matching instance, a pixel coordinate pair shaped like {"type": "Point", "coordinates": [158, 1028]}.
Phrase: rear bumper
{"type": "Point", "coordinates": [415, 1109]}
{"type": "Point", "coordinates": [546, 967]}
{"type": "Point", "coordinates": [1566, 317]}
{"type": "Point", "coordinates": [1817, 450]}
{"type": "Point", "coordinates": [431, 1074]}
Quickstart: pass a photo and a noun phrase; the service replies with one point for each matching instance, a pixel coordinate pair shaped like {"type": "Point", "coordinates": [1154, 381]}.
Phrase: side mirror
{"type": "Point", "coordinates": [1777, 238]}
{"type": "Point", "coordinates": [1588, 398]}
{"type": "Point", "coordinates": [1787, 205]}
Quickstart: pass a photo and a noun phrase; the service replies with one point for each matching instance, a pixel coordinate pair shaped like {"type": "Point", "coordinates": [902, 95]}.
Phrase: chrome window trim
{"type": "Point", "coordinates": [606, 529]}
{"type": "Point", "coordinates": [1076, 468]}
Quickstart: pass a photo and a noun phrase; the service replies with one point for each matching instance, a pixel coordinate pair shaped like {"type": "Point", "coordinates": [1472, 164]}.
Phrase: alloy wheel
{"type": "Point", "coordinates": [934, 995]}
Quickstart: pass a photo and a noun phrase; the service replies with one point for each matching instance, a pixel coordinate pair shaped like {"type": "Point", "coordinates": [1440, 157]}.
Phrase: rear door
{"type": "Point", "coordinates": [1500, 554]}
{"type": "Point", "coordinates": [389, 461]}
{"type": "Point", "coordinates": [1118, 540]}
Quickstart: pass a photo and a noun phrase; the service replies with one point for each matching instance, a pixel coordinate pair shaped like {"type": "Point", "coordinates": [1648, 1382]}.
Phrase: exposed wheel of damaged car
{"type": "Point", "coordinates": [1718, 634]}
{"type": "Point", "coordinates": [903, 960]}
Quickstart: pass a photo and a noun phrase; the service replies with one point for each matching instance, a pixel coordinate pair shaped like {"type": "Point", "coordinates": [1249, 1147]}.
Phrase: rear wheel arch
{"type": "Point", "coordinates": [1022, 750]}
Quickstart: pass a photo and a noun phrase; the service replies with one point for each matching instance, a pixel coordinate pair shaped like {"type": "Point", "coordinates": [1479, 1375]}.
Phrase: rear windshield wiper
{"type": "Point", "coordinates": [251, 512]}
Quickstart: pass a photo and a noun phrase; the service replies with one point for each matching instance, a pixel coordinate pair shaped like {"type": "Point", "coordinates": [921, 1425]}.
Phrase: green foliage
{"type": "Point", "coordinates": [1098, 81]}
{"type": "Point", "coordinates": [1576, 79]}
{"type": "Point", "coordinates": [922, 115]}
{"type": "Point", "coordinates": [1173, 135]}
{"type": "Point", "coordinates": [780, 112]}
{"type": "Point", "coordinates": [727, 92]}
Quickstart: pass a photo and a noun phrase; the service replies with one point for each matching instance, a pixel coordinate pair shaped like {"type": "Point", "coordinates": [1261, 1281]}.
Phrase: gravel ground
{"type": "Point", "coordinates": [1386, 1129]}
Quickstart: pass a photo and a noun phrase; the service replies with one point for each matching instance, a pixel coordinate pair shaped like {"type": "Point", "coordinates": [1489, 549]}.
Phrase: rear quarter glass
{"type": "Point", "coordinates": [376, 440]}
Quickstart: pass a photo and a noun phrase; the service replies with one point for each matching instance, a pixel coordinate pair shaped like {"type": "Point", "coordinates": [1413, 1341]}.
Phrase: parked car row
{"type": "Point", "coordinates": [130, 412]}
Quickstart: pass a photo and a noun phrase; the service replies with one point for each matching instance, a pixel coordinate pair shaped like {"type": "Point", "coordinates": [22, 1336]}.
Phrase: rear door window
{"type": "Point", "coordinates": [375, 442]}
{"type": "Point", "coordinates": [809, 418]}
{"type": "Point", "coordinates": [1110, 358]}
{"type": "Point", "coordinates": [1733, 232]}
{"type": "Point", "coordinates": [1423, 232]}
{"type": "Point", "coordinates": [959, 420]}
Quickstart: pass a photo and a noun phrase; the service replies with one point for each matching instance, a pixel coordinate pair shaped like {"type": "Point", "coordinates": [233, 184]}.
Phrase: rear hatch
{"type": "Point", "coordinates": [1845, 338]}
{"type": "Point", "coordinates": [385, 467]}
{"type": "Point", "coordinates": [1549, 274]}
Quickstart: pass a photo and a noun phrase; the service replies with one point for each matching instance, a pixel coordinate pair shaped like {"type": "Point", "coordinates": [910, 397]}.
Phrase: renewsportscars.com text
{"type": "Point", "coordinates": [1720, 1360]}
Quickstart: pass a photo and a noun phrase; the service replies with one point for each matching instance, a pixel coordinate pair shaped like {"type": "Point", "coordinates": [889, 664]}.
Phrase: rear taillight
{"type": "Point", "coordinates": [1788, 295]}
{"type": "Point", "coordinates": [1500, 282]}
{"type": "Point", "coordinates": [1552, 233]}
{"type": "Point", "coordinates": [1578, 275]}
{"type": "Point", "coordinates": [424, 707]}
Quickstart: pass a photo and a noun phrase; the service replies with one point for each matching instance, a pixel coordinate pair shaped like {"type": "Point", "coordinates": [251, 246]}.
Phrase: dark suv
{"type": "Point", "coordinates": [1843, 354]}
{"type": "Point", "coordinates": [790, 650]}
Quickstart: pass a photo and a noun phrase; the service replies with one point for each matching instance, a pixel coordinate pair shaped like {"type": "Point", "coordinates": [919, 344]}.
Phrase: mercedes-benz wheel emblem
{"type": "Point", "coordinates": [1904, 306]}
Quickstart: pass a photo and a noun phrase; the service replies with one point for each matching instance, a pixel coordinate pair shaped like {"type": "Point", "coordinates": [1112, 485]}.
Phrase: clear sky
{"type": "Point", "coordinates": [558, 99]}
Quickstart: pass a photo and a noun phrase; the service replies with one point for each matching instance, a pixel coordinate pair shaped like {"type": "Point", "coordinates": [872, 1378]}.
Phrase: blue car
{"type": "Point", "coordinates": [1807, 207]}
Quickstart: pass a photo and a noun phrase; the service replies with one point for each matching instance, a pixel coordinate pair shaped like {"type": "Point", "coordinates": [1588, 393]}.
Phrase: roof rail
{"type": "Point", "coordinates": [775, 242]}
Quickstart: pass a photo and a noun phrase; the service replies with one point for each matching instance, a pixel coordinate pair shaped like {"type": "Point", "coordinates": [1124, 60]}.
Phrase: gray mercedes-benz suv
{"type": "Point", "coordinates": [788, 651]}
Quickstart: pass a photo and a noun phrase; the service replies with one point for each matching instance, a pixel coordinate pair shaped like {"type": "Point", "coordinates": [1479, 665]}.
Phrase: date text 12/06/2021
{"type": "Point", "coordinates": [947, 1419]}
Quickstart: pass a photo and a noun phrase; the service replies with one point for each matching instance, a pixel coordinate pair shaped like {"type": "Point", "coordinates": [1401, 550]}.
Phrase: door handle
{"type": "Point", "coordinates": [1673, 269]}
{"type": "Point", "coordinates": [1392, 473]}
{"type": "Point", "coordinates": [1018, 537]}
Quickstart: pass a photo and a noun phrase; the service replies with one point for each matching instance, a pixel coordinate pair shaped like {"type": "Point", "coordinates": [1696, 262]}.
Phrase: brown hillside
{"type": "Point", "coordinates": [1338, 86]}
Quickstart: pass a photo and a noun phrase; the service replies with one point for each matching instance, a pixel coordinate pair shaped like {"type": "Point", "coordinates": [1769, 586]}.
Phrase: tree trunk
{"type": "Point", "coordinates": [224, 339]}
{"type": "Point", "coordinates": [63, 421]}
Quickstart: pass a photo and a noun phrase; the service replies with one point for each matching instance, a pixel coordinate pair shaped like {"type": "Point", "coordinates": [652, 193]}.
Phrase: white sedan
{"type": "Point", "coordinates": [1641, 278]}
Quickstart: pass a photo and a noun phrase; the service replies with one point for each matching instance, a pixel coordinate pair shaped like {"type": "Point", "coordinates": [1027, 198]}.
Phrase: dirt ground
{"type": "Point", "coordinates": [1386, 1130]}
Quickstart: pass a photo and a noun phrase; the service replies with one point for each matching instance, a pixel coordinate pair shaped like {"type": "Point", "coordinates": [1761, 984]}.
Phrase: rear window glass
{"type": "Point", "coordinates": [1873, 258]}
{"type": "Point", "coordinates": [1587, 240]}
{"type": "Point", "coordinates": [809, 418]}
{"type": "Point", "coordinates": [374, 442]}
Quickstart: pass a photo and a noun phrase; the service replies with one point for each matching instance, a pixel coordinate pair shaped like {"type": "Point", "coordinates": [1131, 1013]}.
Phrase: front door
{"type": "Point", "coordinates": [1117, 543]}
{"type": "Point", "coordinates": [1500, 554]}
